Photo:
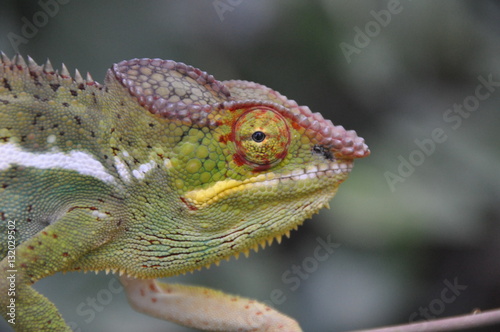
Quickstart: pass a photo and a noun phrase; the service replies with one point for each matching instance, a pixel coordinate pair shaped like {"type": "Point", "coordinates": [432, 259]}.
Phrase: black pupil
{"type": "Point", "coordinates": [258, 136]}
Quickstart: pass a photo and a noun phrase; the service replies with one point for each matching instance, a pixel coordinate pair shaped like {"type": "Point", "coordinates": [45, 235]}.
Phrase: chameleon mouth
{"type": "Point", "coordinates": [200, 198]}
{"type": "Point", "coordinates": [337, 171]}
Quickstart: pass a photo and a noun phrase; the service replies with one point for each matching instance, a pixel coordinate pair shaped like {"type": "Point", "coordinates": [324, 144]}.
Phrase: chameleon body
{"type": "Point", "coordinates": [159, 171]}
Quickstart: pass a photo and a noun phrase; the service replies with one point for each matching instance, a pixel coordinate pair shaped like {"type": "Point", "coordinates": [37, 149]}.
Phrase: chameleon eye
{"type": "Point", "coordinates": [262, 137]}
{"type": "Point", "coordinates": [258, 136]}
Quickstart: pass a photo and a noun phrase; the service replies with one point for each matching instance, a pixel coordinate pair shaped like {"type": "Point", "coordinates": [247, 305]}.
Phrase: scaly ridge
{"type": "Point", "coordinates": [46, 70]}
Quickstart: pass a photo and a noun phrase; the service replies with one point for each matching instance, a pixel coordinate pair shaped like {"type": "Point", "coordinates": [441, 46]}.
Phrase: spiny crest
{"type": "Point", "coordinates": [17, 63]}
{"type": "Point", "coordinates": [176, 90]}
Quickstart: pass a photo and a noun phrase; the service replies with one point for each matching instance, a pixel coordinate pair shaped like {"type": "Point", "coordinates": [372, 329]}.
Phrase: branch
{"type": "Point", "coordinates": [446, 324]}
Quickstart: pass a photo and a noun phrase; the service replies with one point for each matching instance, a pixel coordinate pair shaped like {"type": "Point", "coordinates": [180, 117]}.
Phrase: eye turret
{"type": "Point", "coordinates": [262, 137]}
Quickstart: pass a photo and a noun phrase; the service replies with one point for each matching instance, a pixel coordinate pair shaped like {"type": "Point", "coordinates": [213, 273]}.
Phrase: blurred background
{"type": "Point", "coordinates": [416, 226]}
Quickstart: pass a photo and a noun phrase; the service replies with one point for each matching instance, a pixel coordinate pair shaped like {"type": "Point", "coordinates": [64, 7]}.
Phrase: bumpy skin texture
{"type": "Point", "coordinates": [159, 171]}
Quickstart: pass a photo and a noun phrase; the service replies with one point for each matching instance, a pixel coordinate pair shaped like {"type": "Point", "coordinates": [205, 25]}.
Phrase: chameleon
{"type": "Point", "coordinates": [160, 170]}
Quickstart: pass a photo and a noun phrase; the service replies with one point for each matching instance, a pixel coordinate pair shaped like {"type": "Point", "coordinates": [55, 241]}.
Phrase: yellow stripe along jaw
{"type": "Point", "coordinates": [201, 198]}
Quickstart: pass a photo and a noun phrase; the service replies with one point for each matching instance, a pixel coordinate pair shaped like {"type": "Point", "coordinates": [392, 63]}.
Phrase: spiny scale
{"type": "Point", "coordinates": [47, 67]}
{"type": "Point", "coordinates": [19, 60]}
{"type": "Point", "coordinates": [65, 71]}
{"type": "Point", "coordinates": [32, 65]}
{"type": "Point", "coordinates": [5, 59]}
{"type": "Point", "coordinates": [89, 78]}
{"type": "Point", "coordinates": [78, 77]}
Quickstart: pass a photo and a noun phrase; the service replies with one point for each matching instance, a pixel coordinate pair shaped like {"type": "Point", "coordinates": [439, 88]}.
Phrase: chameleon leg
{"type": "Point", "coordinates": [53, 249]}
{"type": "Point", "coordinates": [204, 308]}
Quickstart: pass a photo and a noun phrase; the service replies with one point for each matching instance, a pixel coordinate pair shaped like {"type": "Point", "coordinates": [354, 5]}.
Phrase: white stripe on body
{"type": "Point", "coordinates": [78, 161]}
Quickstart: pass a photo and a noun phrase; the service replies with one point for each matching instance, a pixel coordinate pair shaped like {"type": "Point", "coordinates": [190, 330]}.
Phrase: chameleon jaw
{"type": "Point", "coordinates": [328, 174]}
{"type": "Point", "coordinates": [201, 198]}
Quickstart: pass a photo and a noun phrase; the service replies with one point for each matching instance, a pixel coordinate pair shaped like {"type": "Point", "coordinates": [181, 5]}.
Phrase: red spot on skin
{"type": "Point", "coordinates": [45, 233]}
{"type": "Point", "coordinates": [23, 265]}
{"type": "Point", "coordinates": [141, 291]}
{"type": "Point", "coordinates": [234, 299]}
{"type": "Point", "coordinates": [154, 300]}
{"type": "Point", "coordinates": [31, 247]}
{"type": "Point", "coordinates": [152, 287]}
{"type": "Point", "coordinates": [247, 307]}
{"type": "Point", "coordinates": [92, 208]}
{"type": "Point", "coordinates": [259, 313]}
{"type": "Point", "coordinates": [239, 160]}
{"type": "Point", "coordinates": [54, 236]}
{"type": "Point", "coordinates": [295, 125]}
{"type": "Point", "coordinates": [65, 254]}
{"type": "Point", "coordinates": [225, 138]}
{"type": "Point", "coordinates": [191, 207]}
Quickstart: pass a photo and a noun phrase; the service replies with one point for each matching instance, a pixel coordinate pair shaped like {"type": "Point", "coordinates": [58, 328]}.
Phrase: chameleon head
{"type": "Point", "coordinates": [247, 164]}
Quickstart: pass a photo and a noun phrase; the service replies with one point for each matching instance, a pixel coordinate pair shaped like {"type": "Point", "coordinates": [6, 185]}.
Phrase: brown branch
{"type": "Point", "coordinates": [446, 324]}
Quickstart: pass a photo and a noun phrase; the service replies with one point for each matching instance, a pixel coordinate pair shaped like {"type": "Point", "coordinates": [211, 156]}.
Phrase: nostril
{"type": "Point", "coordinates": [323, 151]}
